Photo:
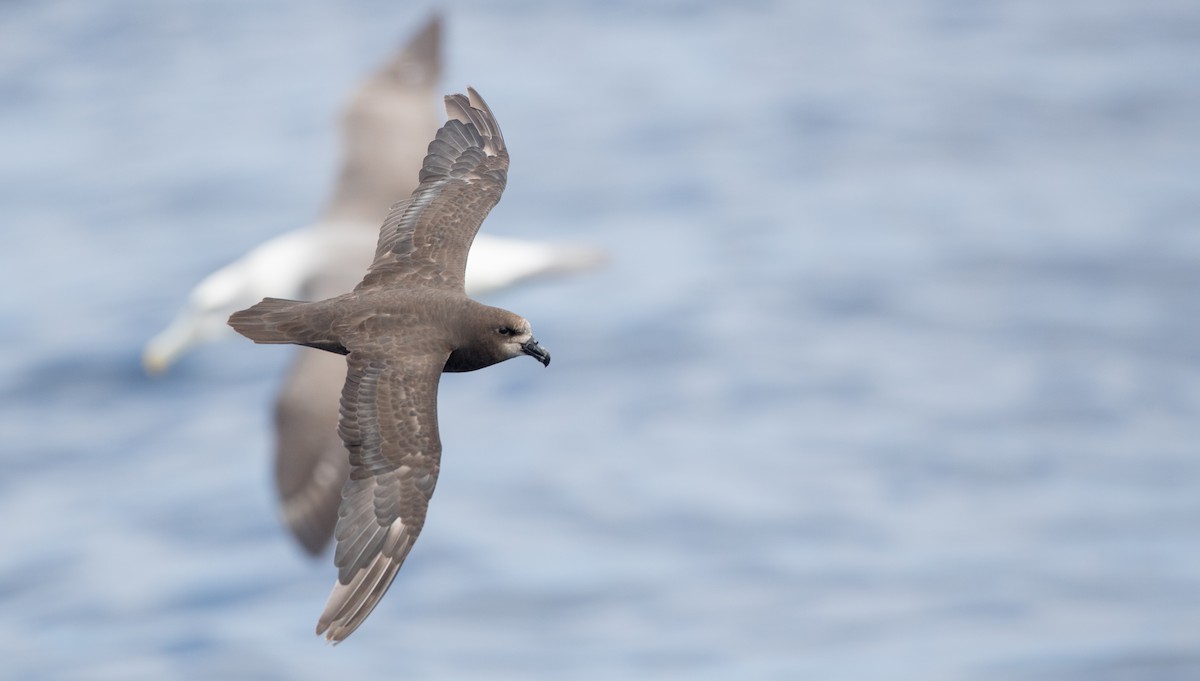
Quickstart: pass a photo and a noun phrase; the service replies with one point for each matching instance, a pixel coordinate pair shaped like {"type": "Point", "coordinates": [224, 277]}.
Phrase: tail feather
{"type": "Point", "coordinates": [275, 320]}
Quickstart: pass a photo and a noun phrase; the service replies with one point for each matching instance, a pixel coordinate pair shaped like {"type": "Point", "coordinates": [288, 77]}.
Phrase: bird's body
{"type": "Point", "coordinates": [433, 320]}
{"type": "Point", "coordinates": [400, 328]}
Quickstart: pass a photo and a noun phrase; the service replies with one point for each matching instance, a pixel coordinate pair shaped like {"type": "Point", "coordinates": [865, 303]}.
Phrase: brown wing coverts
{"type": "Point", "coordinates": [389, 425]}
{"type": "Point", "coordinates": [425, 239]}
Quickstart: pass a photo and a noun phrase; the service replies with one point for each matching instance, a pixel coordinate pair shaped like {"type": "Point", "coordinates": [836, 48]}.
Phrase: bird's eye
{"type": "Point", "coordinates": [505, 331]}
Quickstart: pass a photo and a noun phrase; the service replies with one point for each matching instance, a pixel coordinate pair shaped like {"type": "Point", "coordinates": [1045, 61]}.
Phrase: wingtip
{"type": "Point", "coordinates": [161, 352]}
{"type": "Point", "coordinates": [427, 41]}
{"type": "Point", "coordinates": [433, 24]}
{"type": "Point", "coordinates": [472, 109]}
{"type": "Point", "coordinates": [353, 600]}
{"type": "Point", "coordinates": [154, 363]}
{"type": "Point", "coordinates": [418, 62]}
{"type": "Point", "coordinates": [471, 100]}
{"type": "Point", "coordinates": [477, 100]}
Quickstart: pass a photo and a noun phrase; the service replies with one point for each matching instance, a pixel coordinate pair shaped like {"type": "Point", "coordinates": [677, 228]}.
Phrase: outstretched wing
{"type": "Point", "coordinates": [425, 239]}
{"type": "Point", "coordinates": [385, 128]}
{"type": "Point", "coordinates": [311, 465]}
{"type": "Point", "coordinates": [389, 424]}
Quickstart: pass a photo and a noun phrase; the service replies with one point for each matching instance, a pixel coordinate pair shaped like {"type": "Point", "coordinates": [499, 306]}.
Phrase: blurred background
{"type": "Point", "coordinates": [893, 373]}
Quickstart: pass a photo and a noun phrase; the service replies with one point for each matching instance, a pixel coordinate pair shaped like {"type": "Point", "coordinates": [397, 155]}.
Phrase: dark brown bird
{"type": "Point", "coordinates": [400, 328]}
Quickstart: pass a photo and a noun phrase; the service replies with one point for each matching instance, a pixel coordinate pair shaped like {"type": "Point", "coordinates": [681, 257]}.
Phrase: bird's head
{"type": "Point", "coordinates": [515, 337]}
{"type": "Point", "coordinates": [495, 336]}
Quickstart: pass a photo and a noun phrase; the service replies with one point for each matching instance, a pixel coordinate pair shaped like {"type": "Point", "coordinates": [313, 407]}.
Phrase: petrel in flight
{"type": "Point", "coordinates": [400, 328]}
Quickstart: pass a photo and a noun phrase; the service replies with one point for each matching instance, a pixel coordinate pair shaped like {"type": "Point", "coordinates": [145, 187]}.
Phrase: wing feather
{"type": "Point", "coordinates": [425, 239]}
{"type": "Point", "coordinates": [389, 425]}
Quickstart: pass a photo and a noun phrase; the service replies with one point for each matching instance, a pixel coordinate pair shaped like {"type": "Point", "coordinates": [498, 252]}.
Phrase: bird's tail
{"type": "Point", "coordinates": [275, 320]}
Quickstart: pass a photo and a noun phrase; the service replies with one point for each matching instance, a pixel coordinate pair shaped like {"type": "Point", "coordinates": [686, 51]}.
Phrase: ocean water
{"type": "Point", "coordinates": [895, 372]}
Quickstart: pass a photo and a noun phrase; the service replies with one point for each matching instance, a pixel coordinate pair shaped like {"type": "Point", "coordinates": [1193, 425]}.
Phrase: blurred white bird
{"type": "Point", "coordinates": [385, 130]}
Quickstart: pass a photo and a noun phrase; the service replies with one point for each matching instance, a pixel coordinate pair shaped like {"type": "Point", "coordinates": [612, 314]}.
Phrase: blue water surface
{"type": "Point", "coordinates": [894, 374]}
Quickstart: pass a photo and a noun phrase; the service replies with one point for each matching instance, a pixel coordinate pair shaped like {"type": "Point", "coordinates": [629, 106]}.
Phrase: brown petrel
{"type": "Point", "coordinates": [400, 328]}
